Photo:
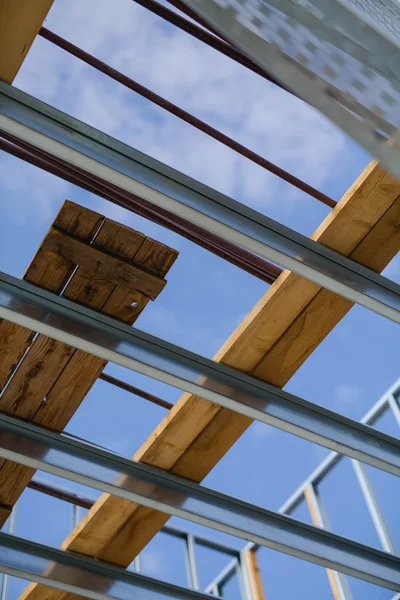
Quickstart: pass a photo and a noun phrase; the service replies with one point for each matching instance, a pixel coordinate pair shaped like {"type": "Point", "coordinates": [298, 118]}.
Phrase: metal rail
{"type": "Point", "coordinates": [95, 333]}
{"type": "Point", "coordinates": [185, 116]}
{"type": "Point", "coordinates": [80, 575]}
{"type": "Point", "coordinates": [386, 402]}
{"type": "Point", "coordinates": [66, 495]}
{"type": "Point", "coordinates": [135, 390]}
{"type": "Point", "coordinates": [191, 540]}
{"type": "Point", "coordinates": [46, 128]}
{"type": "Point", "coordinates": [38, 448]}
{"type": "Point", "coordinates": [212, 40]}
{"type": "Point", "coordinates": [232, 253]}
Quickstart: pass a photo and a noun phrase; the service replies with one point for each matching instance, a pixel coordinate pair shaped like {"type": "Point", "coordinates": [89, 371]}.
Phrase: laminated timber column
{"type": "Point", "coordinates": [20, 21]}
{"type": "Point", "coordinates": [96, 262]}
{"type": "Point", "coordinates": [286, 325]}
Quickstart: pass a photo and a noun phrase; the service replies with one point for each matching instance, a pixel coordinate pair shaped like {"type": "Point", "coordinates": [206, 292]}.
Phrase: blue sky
{"type": "Point", "coordinates": [205, 298]}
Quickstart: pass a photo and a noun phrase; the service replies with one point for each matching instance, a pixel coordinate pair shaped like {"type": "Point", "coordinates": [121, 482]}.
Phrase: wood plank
{"type": "Point", "coordinates": [315, 520]}
{"type": "Point", "coordinates": [14, 341]}
{"type": "Point", "coordinates": [20, 21]}
{"type": "Point", "coordinates": [195, 434]}
{"type": "Point", "coordinates": [253, 575]}
{"type": "Point", "coordinates": [96, 265]}
{"type": "Point", "coordinates": [48, 271]}
{"type": "Point", "coordinates": [29, 385]}
{"type": "Point", "coordinates": [156, 257]}
{"type": "Point", "coordinates": [54, 378]}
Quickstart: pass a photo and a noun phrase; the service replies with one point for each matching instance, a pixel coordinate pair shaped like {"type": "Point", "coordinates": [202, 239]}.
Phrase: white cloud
{"type": "Point", "coordinates": [349, 395]}
{"type": "Point", "coordinates": [197, 78]}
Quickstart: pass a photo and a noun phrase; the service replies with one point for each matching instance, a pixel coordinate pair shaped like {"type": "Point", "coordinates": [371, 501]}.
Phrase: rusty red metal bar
{"type": "Point", "coordinates": [181, 6]}
{"type": "Point", "coordinates": [56, 492]}
{"type": "Point", "coordinates": [205, 36]}
{"type": "Point", "coordinates": [184, 115]}
{"type": "Point", "coordinates": [123, 385]}
{"type": "Point", "coordinates": [236, 255]}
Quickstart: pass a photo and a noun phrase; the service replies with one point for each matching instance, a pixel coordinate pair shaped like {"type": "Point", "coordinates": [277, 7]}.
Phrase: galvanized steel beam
{"type": "Point", "coordinates": [80, 575]}
{"type": "Point", "coordinates": [39, 448]}
{"type": "Point", "coordinates": [93, 332]}
{"type": "Point", "coordinates": [68, 139]}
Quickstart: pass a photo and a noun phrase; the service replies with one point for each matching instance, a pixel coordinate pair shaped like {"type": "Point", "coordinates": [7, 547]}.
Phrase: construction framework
{"type": "Point", "coordinates": [240, 564]}
{"type": "Point", "coordinates": [339, 266]}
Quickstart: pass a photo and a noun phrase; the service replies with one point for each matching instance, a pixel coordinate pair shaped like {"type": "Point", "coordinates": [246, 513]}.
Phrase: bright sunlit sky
{"type": "Point", "coordinates": [205, 298]}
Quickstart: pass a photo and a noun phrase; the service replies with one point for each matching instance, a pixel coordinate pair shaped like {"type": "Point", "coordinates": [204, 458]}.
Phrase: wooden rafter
{"type": "Point", "coordinates": [50, 382]}
{"type": "Point", "coordinates": [272, 342]}
{"type": "Point", "coordinates": [20, 21]}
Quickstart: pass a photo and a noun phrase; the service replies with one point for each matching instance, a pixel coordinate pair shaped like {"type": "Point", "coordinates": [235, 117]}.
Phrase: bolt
{"type": "Point", "coordinates": [134, 304]}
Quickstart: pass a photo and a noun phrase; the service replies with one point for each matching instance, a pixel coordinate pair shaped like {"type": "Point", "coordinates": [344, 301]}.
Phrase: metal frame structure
{"type": "Point", "coordinates": [184, 115]}
{"type": "Point", "coordinates": [28, 120]}
{"type": "Point", "coordinates": [99, 163]}
{"type": "Point", "coordinates": [87, 330]}
{"type": "Point", "coordinates": [308, 492]}
{"type": "Point", "coordinates": [135, 391]}
{"type": "Point", "coordinates": [362, 39]}
{"type": "Point", "coordinates": [190, 539]}
{"type": "Point", "coordinates": [37, 448]}
{"type": "Point", "coordinates": [81, 575]}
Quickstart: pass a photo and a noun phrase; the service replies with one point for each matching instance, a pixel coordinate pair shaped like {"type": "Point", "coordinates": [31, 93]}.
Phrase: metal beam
{"type": "Point", "coordinates": [66, 495]}
{"type": "Point", "coordinates": [185, 116]}
{"type": "Point", "coordinates": [201, 540]}
{"type": "Point", "coordinates": [374, 508]}
{"type": "Point", "coordinates": [83, 576]}
{"type": "Point", "coordinates": [232, 253]}
{"type": "Point", "coordinates": [132, 389]}
{"type": "Point", "coordinates": [39, 448]}
{"type": "Point", "coordinates": [190, 559]}
{"type": "Point", "coordinates": [244, 31]}
{"type": "Point", "coordinates": [50, 130]}
{"type": "Point", "coordinates": [388, 400]}
{"type": "Point", "coordinates": [93, 332]}
{"type": "Point", "coordinates": [223, 577]}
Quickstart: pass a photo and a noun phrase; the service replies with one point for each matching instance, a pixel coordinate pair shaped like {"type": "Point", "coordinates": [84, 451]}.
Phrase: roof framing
{"type": "Point", "coordinates": [25, 120]}
{"type": "Point", "coordinates": [112, 269]}
{"type": "Point", "coordinates": [278, 335]}
{"type": "Point", "coordinates": [288, 323]}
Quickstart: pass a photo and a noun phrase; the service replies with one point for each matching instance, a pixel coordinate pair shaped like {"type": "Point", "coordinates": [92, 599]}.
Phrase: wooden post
{"type": "Point", "coordinates": [250, 564]}
{"type": "Point", "coordinates": [333, 576]}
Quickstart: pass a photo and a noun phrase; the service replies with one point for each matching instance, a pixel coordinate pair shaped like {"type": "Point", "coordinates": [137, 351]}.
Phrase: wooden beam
{"type": "Point", "coordinates": [253, 575]}
{"type": "Point", "coordinates": [53, 378]}
{"type": "Point", "coordinates": [316, 521]}
{"type": "Point", "coordinates": [20, 21]}
{"type": "Point", "coordinates": [95, 264]}
{"type": "Point", "coordinates": [295, 314]}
